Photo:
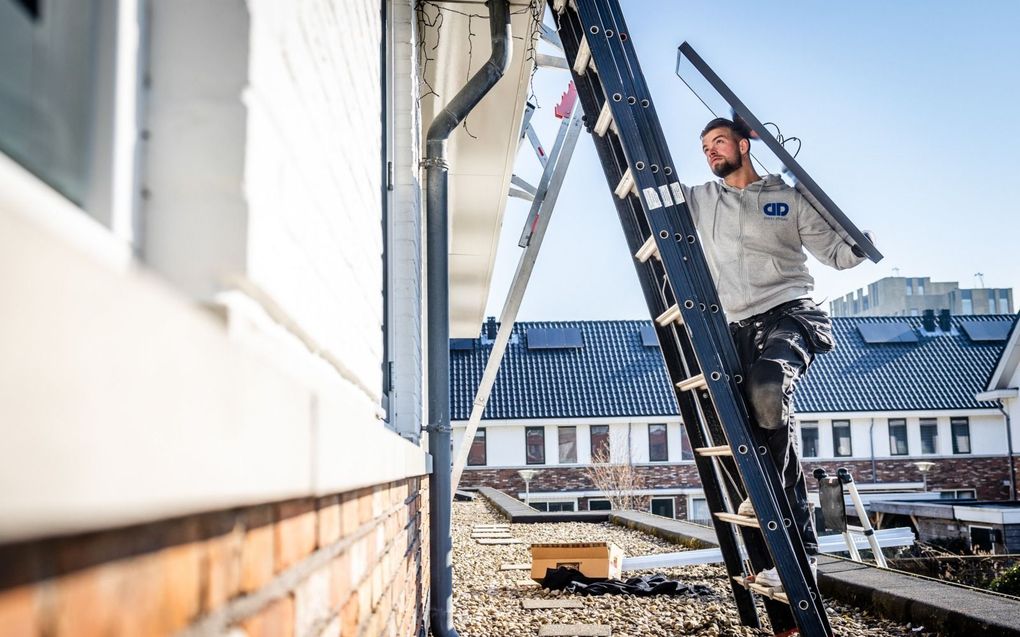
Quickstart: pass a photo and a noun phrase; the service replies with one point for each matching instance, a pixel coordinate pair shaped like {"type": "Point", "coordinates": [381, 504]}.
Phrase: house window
{"type": "Point", "coordinates": [658, 449]}
{"type": "Point", "coordinates": [809, 440]}
{"type": "Point", "coordinates": [698, 512]}
{"type": "Point", "coordinates": [663, 507]}
{"type": "Point", "coordinates": [991, 305]}
{"type": "Point", "coordinates": [568, 444]}
{"type": "Point", "coordinates": [929, 436]}
{"type": "Point", "coordinates": [534, 444]}
{"type": "Point", "coordinates": [961, 434]}
{"type": "Point", "coordinates": [600, 443]}
{"type": "Point", "coordinates": [50, 74]}
{"type": "Point", "coordinates": [599, 504]}
{"type": "Point", "coordinates": [553, 506]}
{"type": "Point", "coordinates": [841, 444]}
{"type": "Point", "coordinates": [898, 437]}
{"type": "Point", "coordinates": [958, 494]}
{"type": "Point", "coordinates": [910, 286]}
{"type": "Point", "coordinates": [920, 287]}
{"type": "Point", "coordinates": [476, 455]}
{"type": "Point", "coordinates": [686, 452]}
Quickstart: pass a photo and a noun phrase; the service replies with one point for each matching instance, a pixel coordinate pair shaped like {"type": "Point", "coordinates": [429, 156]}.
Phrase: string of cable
{"type": "Point", "coordinates": [430, 18]}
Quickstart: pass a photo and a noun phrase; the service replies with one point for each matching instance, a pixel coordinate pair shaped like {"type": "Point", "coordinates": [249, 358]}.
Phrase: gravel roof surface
{"type": "Point", "coordinates": [487, 601]}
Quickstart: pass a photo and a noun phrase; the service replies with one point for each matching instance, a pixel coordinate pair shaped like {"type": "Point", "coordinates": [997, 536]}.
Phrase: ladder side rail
{"type": "Point", "coordinates": [676, 352]}
{"type": "Point", "coordinates": [790, 565]}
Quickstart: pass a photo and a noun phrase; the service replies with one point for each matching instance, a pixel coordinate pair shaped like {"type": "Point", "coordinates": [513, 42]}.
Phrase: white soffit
{"type": "Point", "coordinates": [480, 167]}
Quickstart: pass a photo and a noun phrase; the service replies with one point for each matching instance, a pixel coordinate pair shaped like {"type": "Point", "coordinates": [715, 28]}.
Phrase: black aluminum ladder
{"type": "Point", "coordinates": [695, 340]}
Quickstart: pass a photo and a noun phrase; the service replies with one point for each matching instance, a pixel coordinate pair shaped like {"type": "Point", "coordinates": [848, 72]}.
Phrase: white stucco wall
{"type": "Point", "coordinates": [240, 359]}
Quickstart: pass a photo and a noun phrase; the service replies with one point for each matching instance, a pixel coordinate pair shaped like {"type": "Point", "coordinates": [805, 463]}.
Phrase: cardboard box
{"type": "Point", "coordinates": [603, 560]}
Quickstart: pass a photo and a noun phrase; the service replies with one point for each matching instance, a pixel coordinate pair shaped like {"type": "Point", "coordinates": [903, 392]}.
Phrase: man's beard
{"type": "Point", "coordinates": [726, 168]}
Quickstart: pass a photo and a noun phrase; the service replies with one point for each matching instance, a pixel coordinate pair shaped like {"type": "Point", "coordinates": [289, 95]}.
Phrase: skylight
{"type": "Point", "coordinates": [555, 338]}
{"type": "Point", "coordinates": [986, 331]}
{"type": "Point", "coordinates": [648, 337]}
{"type": "Point", "coordinates": [887, 333]}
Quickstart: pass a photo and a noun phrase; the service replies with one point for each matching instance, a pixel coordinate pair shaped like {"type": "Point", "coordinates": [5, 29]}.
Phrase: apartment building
{"type": "Point", "coordinates": [913, 296]}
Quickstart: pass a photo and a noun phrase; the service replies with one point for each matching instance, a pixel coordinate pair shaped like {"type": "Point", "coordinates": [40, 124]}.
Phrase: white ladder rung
{"type": "Point", "coordinates": [647, 250]}
{"type": "Point", "coordinates": [605, 121]}
{"type": "Point", "coordinates": [672, 315]}
{"type": "Point", "coordinates": [721, 450]}
{"type": "Point", "coordinates": [694, 382]}
{"type": "Point", "coordinates": [626, 185]}
{"type": "Point", "coordinates": [583, 57]}
{"type": "Point", "coordinates": [739, 520]}
{"type": "Point", "coordinates": [765, 591]}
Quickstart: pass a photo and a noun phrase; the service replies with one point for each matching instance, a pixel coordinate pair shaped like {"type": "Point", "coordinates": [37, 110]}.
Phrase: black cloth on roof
{"type": "Point", "coordinates": [573, 581]}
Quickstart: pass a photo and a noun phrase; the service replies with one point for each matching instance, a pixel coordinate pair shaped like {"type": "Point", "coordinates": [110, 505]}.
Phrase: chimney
{"type": "Point", "coordinates": [945, 324]}
{"type": "Point", "coordinates": [491, 328]}
{"type": "Point", "coordinates": [928, 320]}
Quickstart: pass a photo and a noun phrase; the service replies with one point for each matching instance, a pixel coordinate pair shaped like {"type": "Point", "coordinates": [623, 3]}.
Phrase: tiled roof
{"type": "Point", "coordinates": [613, 374]}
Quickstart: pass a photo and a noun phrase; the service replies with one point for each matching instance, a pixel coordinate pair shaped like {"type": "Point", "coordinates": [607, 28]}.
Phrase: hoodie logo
{"type": "Point", "coordinates": [776, 209]}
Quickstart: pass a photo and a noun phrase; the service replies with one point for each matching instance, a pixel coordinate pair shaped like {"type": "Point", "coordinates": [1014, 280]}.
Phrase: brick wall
{"type": "Point", "coordinates": [350, 564]}
{"type": "Point", "coordinates": [666, 476]}
{"type": "Point", "coordinates": [984, 474]}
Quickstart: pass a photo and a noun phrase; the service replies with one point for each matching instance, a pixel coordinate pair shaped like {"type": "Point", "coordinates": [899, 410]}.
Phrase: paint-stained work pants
{"type": "Point", "coordinates": [775, 349]}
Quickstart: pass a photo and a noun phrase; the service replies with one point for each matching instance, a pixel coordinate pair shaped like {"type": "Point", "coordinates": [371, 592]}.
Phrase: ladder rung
{"type": "Point", "coordinates": [765, 591]}
{"type": "Point", "coordinates": [647, 250]}
{"type": "Point", "coordinates": [694, 382]}
{"type": "Point", "coordinates": [739, 520]}
{"type": "Point", "coordinates": [583, 57]}
{"type": "Point", "coordinates": [721, 450]}
{"type": "Point", "coordinates": [672, 315]}
{"type": "Point", "coordinates": [626, 185]}
{"type": "Point", "coordinates": [605, 120]}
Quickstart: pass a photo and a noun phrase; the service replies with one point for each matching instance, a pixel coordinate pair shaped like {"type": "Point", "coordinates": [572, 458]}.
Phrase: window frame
{"type": "Point", "coordinates": [929, 424]}
{"type": "Point", "coordinates": [591, 441]}
{"type": "Point", "coordinates": [559, 444]}
{"type": "Point", "coordinates": [664, 444]}
{"type": "Point", "coordinates": [528, 446]}
{"type": "Point", "coordinates": [841, 424]}
{"type": "Point", "coordinates": [811, 425]}
{"type": "Point", "coordinates": [670, 499]}
{"type": "Point", "coordinates": [485, 449]}
{"type": "Point", "coordinates": [953, 423]}
{"type": "Point", "coordinates": [609, 504]}
{"type": "Point", "coordinates": [901, 425]}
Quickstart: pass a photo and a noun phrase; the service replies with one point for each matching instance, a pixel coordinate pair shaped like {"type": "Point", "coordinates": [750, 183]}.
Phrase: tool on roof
{"type": "Point", "coordinates": [692, 331]}
{"type": "Point", "coordinates": [830, 495]}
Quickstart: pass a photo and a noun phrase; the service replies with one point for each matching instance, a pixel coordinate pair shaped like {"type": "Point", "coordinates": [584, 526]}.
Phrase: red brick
{"type": "Point", "coordinates": [257, 550]}
{"type": "Point", "coordinates": [365, 498]}
{"type": "Point", "coordinates": [275, 620]}
{"type": "Point", "coordinates": [85, 603]}
{"type": "Point", "coordinates": [222, 568]}
{"type": "Point", "coordinates": [179, 574]}
{"type": "Point", "coordinates": [340, 581]}
{"type": "Point", "coordinates": [18, 612]}
{"type": "Point", "coordinates": [295, 532]}
{"type": "Point", "coordinates": [349, 616]}
{"type": "Point", "coordinates": [329, 520]}
{"type": "Point", "coordinates": [348, 514]}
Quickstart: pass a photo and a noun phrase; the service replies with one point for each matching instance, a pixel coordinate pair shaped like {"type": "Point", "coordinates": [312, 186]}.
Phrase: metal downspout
{"type": "Point", "coordinates": [874, 463]}
{"type": "Point", "coordinates": [1009, 450]}
{"type": "Point", "coordinates": [438, 307]}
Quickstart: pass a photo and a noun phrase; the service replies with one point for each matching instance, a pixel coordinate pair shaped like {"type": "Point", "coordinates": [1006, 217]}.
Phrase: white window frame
{"type": "Point", "coordinates": [670, 499]}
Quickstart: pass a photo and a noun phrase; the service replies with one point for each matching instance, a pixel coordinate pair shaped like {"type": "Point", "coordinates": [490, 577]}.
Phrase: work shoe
{"type": "Point", "coordinates": [746, 508]}
{"type": "Point", "coordinates": [770, 577]}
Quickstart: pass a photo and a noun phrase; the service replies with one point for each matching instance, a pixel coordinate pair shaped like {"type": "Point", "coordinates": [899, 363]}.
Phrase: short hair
{"type": "Point", "coordinates": [738, 128]}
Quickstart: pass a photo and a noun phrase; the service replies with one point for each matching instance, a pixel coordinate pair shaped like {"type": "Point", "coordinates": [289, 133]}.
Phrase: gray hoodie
{"type": "Point", "coordinates": [754, 239]}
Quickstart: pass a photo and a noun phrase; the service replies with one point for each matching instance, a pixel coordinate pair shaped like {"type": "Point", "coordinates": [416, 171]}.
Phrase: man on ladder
{"type": "Point", "coordinates": [754, 230]}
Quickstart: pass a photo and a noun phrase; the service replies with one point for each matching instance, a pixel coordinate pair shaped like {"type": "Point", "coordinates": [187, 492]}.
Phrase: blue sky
{"type": "Point", "coordinates": [909, 115]}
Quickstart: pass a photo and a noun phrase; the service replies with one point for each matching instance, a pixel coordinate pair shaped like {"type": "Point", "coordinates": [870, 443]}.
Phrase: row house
{"type": "Point", "coordinates": [893, 396]}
